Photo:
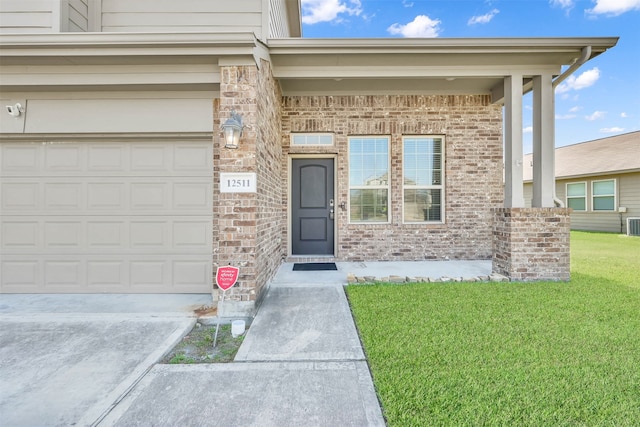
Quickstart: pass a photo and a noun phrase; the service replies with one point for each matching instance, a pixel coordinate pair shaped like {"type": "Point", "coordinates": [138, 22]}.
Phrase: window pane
{"type": "Point", "coordinates": [422, 205]}
{"type": "Point", "coordinates": [603, 203]}
{"type": "Point", "coordinates": [368, 162]}
{"type": "Point", "coordinates": [577, 204]}
{"type": "Point", "coordinates": [312, 139]}
{"type": "Point", "coordinates": [578, 189]}
{"type": "Point", "coordinates": [602, 188]}
{"type": "Point", "coordinates": [368, 205]}
{"type": "Point", "coordinates": [422, 161]}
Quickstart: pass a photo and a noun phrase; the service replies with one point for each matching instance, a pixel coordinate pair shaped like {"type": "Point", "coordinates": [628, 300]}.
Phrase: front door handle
{"type": "Point", "coordinates": [331, 214]}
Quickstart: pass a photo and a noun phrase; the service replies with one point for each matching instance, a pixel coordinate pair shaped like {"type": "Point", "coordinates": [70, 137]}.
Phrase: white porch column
{"type": "Point", "coordinates": [513, 186]}
{"type": "Point", "coordinates": [543, 142]}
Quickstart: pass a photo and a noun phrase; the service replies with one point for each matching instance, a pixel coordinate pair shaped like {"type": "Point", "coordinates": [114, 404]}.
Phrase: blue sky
{"type": "Point", "coordinates": [601, 99]}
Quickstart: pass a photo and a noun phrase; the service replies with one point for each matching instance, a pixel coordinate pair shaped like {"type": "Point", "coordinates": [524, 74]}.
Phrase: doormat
{"type": "Point", "coordinates": [314, 266]}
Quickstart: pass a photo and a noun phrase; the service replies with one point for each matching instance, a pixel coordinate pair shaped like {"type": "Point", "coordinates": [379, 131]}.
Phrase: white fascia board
{"type": "Point", "coordinates": [453, 45]}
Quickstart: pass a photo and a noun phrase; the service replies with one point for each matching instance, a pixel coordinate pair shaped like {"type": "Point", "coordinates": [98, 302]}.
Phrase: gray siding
{"type": "Point", "coordinates": [44, 16]}
{"type": "Point", "coordinates": [183, 15]}
{"type": "Point", "coordinates": [78, 16]}
{"type": "Point", "coordinates": [627, 195]}
{"type": "Point", "coordinates": [278, 23]}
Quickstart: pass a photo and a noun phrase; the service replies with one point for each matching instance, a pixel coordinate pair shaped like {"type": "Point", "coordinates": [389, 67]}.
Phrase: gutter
{"type": "Point", "coordinates": [586, 55]}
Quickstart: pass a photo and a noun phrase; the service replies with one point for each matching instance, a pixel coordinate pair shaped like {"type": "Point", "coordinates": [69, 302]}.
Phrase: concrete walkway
{"type": "Point", "coordinates": [301, 364]}
{"type": "Point", "coordinates": [91, 360]}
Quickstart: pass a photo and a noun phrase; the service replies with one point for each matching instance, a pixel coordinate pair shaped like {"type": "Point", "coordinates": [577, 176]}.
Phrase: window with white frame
{"type": "Point", "coordinates": [369, 179]}
{"type": "Point", "coordinates": [577, 196]}
{"type": "Point", "coordinates": [423, 175]}
{"type": "Point", "coordinates": [312, 139]}
{"type": "Point", "coordinates": [603, 195]}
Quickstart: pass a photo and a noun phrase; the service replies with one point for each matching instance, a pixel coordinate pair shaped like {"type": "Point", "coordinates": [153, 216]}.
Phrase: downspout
{"type": "Point", "coordinates": [586, 54]}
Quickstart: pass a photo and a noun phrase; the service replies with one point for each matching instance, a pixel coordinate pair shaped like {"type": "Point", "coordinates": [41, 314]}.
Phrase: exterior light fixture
{"type": "Point", "coordinates": [232, 130]}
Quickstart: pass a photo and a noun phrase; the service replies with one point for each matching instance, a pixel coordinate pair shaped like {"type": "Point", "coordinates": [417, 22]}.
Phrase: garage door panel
{"type": "Point", "coordinates": [106, 159]}
{"type": "Point", "coordinates": [17, 235]}
{"type": "Point", "coordinates": [107, 273]}
{"type": "Point", "coordinates": [63, 197]}
{"type": "Point", "coordinates": [106, 235]}
{"type": "Point", "coordinates": [67, 235]}
{"type": "Point", "coordinates": [20, 275]}
{"type": "Point", "coordinates": [106, 217]}
{"type": "Point", "coordinates": [119, 196]}
{"type": "Point", "coordinates": [62, 158]}
{"type": "Point", "coordinates": [20, 196]}
{"type": "Point", "coordinates": [21, 159]}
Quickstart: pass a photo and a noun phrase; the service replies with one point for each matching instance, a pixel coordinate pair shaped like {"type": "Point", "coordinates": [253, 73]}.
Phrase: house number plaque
{"type": "Point", "coordinates": [237, 182]}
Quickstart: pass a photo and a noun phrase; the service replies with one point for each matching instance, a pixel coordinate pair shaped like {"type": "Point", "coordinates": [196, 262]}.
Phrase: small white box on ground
{"type": "Point", "coordinates": [237, 328]}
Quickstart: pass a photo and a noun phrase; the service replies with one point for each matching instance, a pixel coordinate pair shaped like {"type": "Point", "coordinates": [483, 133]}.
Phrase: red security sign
{"type": "Point", "coordinates": [226, 277]}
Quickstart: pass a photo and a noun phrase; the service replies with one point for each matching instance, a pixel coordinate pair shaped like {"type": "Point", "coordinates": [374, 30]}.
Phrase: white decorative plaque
{"type": "Point", "coordinates": [238, 182]}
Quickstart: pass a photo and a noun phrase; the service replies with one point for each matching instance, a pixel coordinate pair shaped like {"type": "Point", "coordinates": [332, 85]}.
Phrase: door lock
{"type": "Point", "coordinates": [331, 214]}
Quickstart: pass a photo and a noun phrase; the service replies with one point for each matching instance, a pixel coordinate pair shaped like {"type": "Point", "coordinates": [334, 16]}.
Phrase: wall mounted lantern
{"type": "Point", "coordinates": [232, 130]}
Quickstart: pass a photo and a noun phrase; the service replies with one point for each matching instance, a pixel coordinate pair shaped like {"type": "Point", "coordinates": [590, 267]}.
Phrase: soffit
{"type": "Point", "coordinates": [306, 66]}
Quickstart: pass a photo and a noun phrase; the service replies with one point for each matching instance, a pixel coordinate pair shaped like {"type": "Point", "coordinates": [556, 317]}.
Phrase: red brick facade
{"type": "Point", "coordinates": [472, 128]}
{"type": "Point", "coordinates": [531, 243]}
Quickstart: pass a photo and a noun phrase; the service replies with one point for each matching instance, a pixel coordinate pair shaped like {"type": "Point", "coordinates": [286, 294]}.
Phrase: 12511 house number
{"type": "Point", "coordinates": [238, 182]}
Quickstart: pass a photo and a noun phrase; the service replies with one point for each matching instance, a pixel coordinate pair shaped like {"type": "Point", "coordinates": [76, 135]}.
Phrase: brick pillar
{"type": "Point", "coordinates": [531, 243]}
{"type": "Point", "coordinates": [235, 214]}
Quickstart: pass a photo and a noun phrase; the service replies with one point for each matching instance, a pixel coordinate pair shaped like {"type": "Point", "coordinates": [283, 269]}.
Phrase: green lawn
{"type": "Point", "coordinates": [533, 354]}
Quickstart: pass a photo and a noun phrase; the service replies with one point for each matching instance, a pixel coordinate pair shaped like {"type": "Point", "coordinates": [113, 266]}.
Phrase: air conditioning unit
{"type": "Point", "coordinates": [633, 226]}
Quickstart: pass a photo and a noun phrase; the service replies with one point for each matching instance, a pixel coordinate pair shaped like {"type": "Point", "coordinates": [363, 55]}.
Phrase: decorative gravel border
{"type": "Point", "coordinates": [353, 279]}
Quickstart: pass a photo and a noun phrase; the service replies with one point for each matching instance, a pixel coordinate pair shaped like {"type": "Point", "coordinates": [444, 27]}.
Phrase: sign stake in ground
{"type": "Point", "coordinates": [226, 277]}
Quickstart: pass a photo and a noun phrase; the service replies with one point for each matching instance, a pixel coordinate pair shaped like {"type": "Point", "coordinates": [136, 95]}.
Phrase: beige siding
{"type": "Point", "coordinates": [109, 112]}
{"type": "Point", "coordinates": [183, 15]}
{"type": "Point", "coordinates": [33, 16]}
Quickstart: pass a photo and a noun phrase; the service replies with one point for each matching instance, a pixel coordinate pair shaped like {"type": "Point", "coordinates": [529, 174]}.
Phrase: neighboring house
{"type": "Point", "coordinates": [599, 180]}
{"type": "Point", "coordinates": [115, 176]}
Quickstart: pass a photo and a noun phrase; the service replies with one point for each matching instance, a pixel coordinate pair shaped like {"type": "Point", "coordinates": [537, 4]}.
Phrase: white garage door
{"type": "Point", "coordinates": [117, 217]}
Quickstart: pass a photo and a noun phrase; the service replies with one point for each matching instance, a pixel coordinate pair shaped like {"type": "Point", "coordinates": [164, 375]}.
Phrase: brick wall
{"type": "Point", "coordinates": [270, 249]}
{"type": "Point", "coordinates": [473, 182]}
{"type": "Point", "coordinates": [532, 243]}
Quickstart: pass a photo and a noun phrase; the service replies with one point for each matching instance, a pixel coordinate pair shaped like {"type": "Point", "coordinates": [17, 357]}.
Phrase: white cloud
{"type": "Point", "coordinates": [565, 116]}
{"type": "Point", "coordinates": [575, 109]}
{"type": "Point", "coordinates": [612, 130]}
{"type": "Point", "coordinates": [596, 115]}
{"type": "Point", "coordinates": [407, 3]}
{"type": "Point", "coordinates": [565, 4]}
{"type": "Point", "coordinates": [613, 7]}
{"type": "Point", "coordinates": [314, 11]}
{"type": "Point", "coordinates": [624, 115]}
{"type": "Point", "coordinates": [528, 129]}
{"type": "Point", "coordinates": [483, 19]}
{"type": "Point", "coordinates": [584, 80]}
{"type": "Point", "coordinates": [421, 26]}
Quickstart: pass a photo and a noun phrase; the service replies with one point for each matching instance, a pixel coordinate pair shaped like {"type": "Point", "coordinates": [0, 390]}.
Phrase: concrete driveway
{"type": "Point", "coordinates": [69, 359]}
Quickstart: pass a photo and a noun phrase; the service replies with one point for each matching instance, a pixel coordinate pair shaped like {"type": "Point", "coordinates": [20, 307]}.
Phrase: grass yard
{"type": "Point", "coordinates": [525, 354]}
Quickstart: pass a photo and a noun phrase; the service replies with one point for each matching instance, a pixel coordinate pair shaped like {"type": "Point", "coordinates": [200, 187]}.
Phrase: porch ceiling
{"type": "Point", "coordinates": [452, 66]}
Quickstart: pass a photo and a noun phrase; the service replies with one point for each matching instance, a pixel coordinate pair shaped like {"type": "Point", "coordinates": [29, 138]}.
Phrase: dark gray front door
{"type": "Point", "coordinates": [312, 207]}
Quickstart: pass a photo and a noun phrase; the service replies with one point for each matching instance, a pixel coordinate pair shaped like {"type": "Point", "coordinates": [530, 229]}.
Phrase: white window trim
{"type": "Point", "coordinates": [615, 195]}
{"type": "Point", "coordinates": [305, 134]}
{"type": "Point", "coordinates": [586, 195]}
{"type": "Point", "coordinates": [441, 187]}
{"type": "Point", "coordinates": [369, 187]}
